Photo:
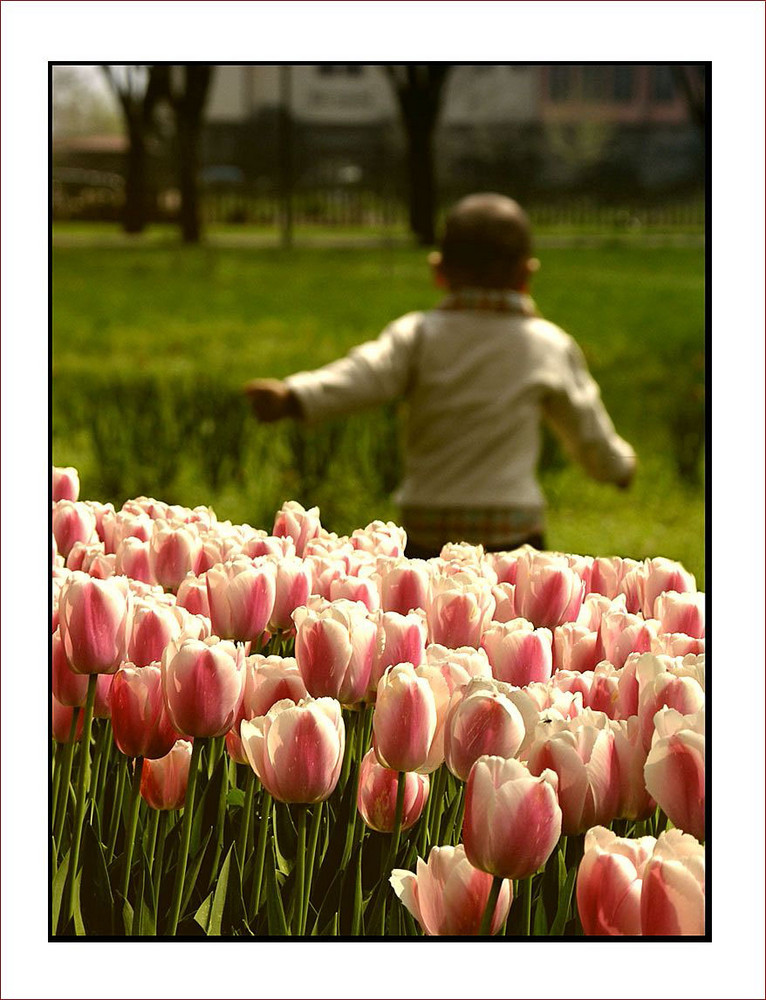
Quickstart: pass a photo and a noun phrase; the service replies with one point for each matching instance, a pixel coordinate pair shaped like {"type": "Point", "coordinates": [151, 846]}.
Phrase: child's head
{"type": "Point", "coordinates": [487, 243]}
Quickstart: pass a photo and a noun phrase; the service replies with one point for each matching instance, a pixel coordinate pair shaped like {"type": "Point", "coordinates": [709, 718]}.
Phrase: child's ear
{"type": "Point", "coordinates": [435, 260]}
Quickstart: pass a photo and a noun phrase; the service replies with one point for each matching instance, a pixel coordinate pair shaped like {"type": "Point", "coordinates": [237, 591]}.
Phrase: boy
{"type": "Point", "coordinates": [480, 372]}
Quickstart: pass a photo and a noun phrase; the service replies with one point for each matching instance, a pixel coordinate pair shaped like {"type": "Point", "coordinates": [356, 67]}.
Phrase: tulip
{"type": "Point", "coordinates": [518, 652]}
{"type": "Point", "coordinates": [268, 679]}
{"type": "Point", "coordinates": [382, 538]}
{"type": "Point", "coordinates": [72, 522]}
{"type": "Point", "coordinates": [504, 564]}
{"type": "Point", "coordinates": [355, 588]}
{"type": "Point", "coordinates": [681, 613]}
{"type": "Point", "coordinates": [299, 524]}
{"type": "Point", "coordinates": [408, 722]}
{"type": "Point", "coordinates": [101, 566]}
{"type": "Point", "coordinates": [297, 749]}
{"type": "Point", "coordinates": [261, 544]}
{"type": "Point", "coordinates": [482, 720]}
{"type": "Point", "coordinates": [139, 719]}
{"type": "Point", "coordinates": [663, 575]}
{"type": "Point", "coordinates": [448, 896]}
{"type": "Point", "coordinates": [173, 552]}
{"type": "Point", "coordinates": [636, 803]}
{"type": "Point", "coordinates": [334, 648]}
{"type": "Point", "coordinates": [81, 555]}
{"type": "Point", "coordinates": [61, 721]}
{"type": "Point", "coordinates": [675, 769]}
{"type": "Point", "coordinates": [582, 753]}
{"type": "Point", "coordinates": [153, 626]}
{"type": "Point", "coordinates": [632, 587]}
{"type": "Point", "coordinates": [458, 666]}
{"type": "Point", "coordinates": [622, 634]}
{"type": "Point", "coordinates": [512, 818]}
{"type": "Point", "coordinates": [673, 891]}
{"type": "Point", "coordinates": [676, 644]}
{"type": "Point", "coordinates": [118, 526]}
{"type": "Point", "coordinates": [294, 580]}
{"type": "Point", "coordinates": [202, 683]}
{"type": "Point", "coordinates": [609, 882]}
{"type": "Point", "coordinates": [241, 595]}
{"type": "Point", "coordinates": [406, 586]}
{"type": "Point", "coordinates": [606, 574]}
{"type": "Point", "coordinates": [400, 639]}
{"type": "Point", "coordinates": [592, 610]}
{"type": "Point", "coordinates": [548, 592]}
{"type": "Point", "coordinates": [377, 791]}
{"type": "Point", "coordinates": [102, 704]}
{"type": "Point", "coordinates": [69, 688]}
{"type": "Point", "coordinates": [192, 595]}
{"type": "Point", "coordinates": [164, 781]}
{"type": "Point", "coordinates": [505, 602]}
{"type": "Point", "coordinates": [65, 483]}
{"type": "Point", "coordinates": [575, 647]}
{"type": "Point", "coordinates": [132, 559]}
{"type": "Point", "coordinates": [460, 610]}
{"type": "Point", "coordinates": [94, 618]}
{"type": "Point", "coordinates": [659, 688]}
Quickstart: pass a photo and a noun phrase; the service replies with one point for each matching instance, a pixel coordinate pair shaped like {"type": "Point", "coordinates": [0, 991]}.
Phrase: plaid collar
{"type": "Point", "coordinates": [490, 299]}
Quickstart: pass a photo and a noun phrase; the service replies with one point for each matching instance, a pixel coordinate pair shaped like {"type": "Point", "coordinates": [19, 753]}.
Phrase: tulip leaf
{"type": "Point", "coordinates": [235, 798]}
{"type": "Point", "coordinates": [202, 916]}
{"type": "Point", "coordinates": [274, 908]}
{"type": "Point", "coordinates": [565, 899]}
{"type": "Point", "coordinates": [192, 872]}
{"type": "Point", "coordinates": [96, 897]}
{"type": "Point", "coordinates": [450, 818]}
{"type": "Point", "coordinates": [283, 863]}
{"type": "Point", "coordinates": [57, 891]}
{"type": "Point", "coordinates": [540, 924]}
{"type": "Point", "coordinates": [220, 896]}
{"type": "Point", "coordinates": [206, 808]}
{"type": "Point", "coordinates": [127, 917]}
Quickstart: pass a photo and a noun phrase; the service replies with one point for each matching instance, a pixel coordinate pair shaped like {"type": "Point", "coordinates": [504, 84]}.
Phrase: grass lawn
{"type": "Point", "coordinates": [152, 341]}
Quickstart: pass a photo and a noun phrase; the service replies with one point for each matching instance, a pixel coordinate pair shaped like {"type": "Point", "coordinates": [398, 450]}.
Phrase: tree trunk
{"type": "Point", "coordinates": [188, 165]}
{"type": "Point", "coordinates": [420, 165]}
{"type": "Point", "coordinates": [134, 211]}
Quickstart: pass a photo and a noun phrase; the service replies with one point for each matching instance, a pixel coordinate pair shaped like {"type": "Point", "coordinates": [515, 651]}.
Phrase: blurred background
{"type": "Point", "coordinates": [213, 223]}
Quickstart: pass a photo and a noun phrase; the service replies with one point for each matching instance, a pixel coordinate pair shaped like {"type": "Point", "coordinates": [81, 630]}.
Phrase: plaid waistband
{"type": "Point", "coordinates": [432, 527]}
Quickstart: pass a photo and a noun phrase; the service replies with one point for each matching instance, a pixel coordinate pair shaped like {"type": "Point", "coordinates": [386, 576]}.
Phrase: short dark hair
{"type": "Point", "coordinates": [486, 237]}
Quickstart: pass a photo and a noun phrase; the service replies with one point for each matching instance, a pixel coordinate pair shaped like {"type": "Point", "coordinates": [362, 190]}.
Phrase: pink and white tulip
{"type": "Point", "coordinates": [174, 552]}
{"type": "Point", "coordinates": [408, 722]}
{"type": "Point", "coordinates": [448, 896]}
{"type": "Point", "coordinates": [461, 608]}
{"type": "Point", "coordinates": [335, 648]}
{"type": "Point", "coordinates": [518, 652]}
{"type": "Point", "coordinates": [241, 595]}
{"type": "Point", "coordinates": [675, 769]}
{"type": "Point", "coordinates": [293, 584]}
{"type": "Point", "coordinates": [202, 683]}
{"type": "Point", "coordinates": [94, 619]}
{"type": "Point", "coordinates": [377, 793]}
{"type": "Point", "coordinates": [609, 882]}
{"type": "Point", "coordinates": [140, 721]}
{"type": "Point", "coordinates": [164, 780]}
{"type": "Point", "coordinates": [400, 639]}
{"type": "Point", "coordinates": [482, 720]}
{"type": "Point", "coordinates": [73, 522]}
{"type": "Point", "coordinates": [673, 890]}
{"type": "Point", "coordinates": [65, 483]}
{"type": "Point", "coordinates": [405, 586]}
{"type": "Point", "coordinates": [296, 522]}
{"type": "Point", "coordinates": [548, 592]}
{"type": "Point", "coordinates": [512, 818]}
{"type": "Point", "coordinates": [297, 749]}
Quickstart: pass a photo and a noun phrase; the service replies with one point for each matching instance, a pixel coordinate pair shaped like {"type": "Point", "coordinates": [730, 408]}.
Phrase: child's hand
{"type": "Point", "coordinates": [271, 399]}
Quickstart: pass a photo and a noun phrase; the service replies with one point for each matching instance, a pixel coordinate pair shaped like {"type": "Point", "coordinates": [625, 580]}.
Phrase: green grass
{"type": "Point", "coordinates": [152, 341]}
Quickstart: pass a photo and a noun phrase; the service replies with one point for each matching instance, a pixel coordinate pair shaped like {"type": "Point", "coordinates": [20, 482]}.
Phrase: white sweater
{"type": "Point", "coordinates": [478, 383]}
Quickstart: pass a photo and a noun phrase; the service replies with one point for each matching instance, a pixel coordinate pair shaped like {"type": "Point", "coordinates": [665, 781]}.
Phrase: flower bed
{"type": "Point", "coordinates": [300, 734]}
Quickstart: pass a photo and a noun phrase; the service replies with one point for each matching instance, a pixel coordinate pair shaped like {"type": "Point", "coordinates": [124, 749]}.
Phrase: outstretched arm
{"type": "Point", "coordinates": [574, 410]}
{"type": "Point", "coordinates": [372, 373]}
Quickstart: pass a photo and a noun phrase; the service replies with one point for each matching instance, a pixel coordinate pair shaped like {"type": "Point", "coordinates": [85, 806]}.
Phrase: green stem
{"type": "Point", "coordinates": [114, 820]}
{"type": "Point", "coordinates": [350, 743]}
{"type": "Point", "coordinates": [97, 758]}
{"type": "Point", "coordinates": [489, 909]}
{"type": "Point", "coordinates": [58, 753]}
{"type": "Point", "coordinates": [178, 888]}
{"type": "Point", "coordinates": [313, 838]}
{"type": "Point", "coordinates": [151, 845]}
{"type": "Point", "coordinates": [66, 777]}
{"type": "Point", "coordinates": [159, 854]}
{"type": "Point", "coordinates": [219, 826]}
{"type": "Point", "coordinates": [135, 801]}
{"type": "Point", "coordinates": [526, 890]}
{"type": "Point", "coordinates": [438, 806]}
{"type": "Point", "coordinates": [104, 776]}
{"type": "Point", "coordinates": [390, 858]}
{"type": "Point", "coordinates": [247, 809]}
{"type": "Point", "coordinates": [82, 786]}
{"type": "Point", "coordinates": [260, 853]}
{"type": "Point", "coordinates": [300, 873]}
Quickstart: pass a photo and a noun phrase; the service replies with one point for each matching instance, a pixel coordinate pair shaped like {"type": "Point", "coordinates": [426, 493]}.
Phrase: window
{"type": "Point", "coordinates": [559, 82]}
{"type": "Point", "coordinates": [623, 83]}
{"type": "Point", "coordinates": [594, 82]}
{"type": "Point", "coordinates": [663, 84]}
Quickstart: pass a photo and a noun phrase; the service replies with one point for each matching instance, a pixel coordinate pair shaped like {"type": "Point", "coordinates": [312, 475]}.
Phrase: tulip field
{"type": "Point", "coordinates": [283, 732]}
